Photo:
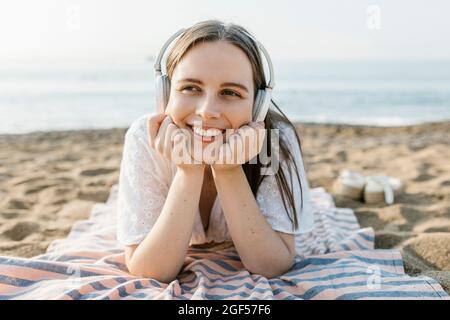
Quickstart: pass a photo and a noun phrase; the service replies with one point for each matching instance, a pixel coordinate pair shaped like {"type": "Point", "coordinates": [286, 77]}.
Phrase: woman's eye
{"type": "Point", "coordinates": [189, 88]}
{"type": "Point", "coordinates": [226, 92]}
{"type": "Point", "coordinates": [232, 93]}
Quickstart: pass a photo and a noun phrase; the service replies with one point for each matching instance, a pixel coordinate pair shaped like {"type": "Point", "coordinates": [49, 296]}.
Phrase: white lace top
{"type": "Point", "coordinates": [145, 179]}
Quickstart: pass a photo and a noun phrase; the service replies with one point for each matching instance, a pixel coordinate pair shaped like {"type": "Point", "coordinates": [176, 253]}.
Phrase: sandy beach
{"type": "Point", "coordinates": [48, 180]}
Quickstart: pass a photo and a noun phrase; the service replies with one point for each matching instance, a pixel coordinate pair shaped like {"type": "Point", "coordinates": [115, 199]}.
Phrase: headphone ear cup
{"type": "Point", "coordinates": [258, 103]}
{"type": "Point", "coordinates": [166, 90]}
{"type": "Point", "coordinates": [159, 93]}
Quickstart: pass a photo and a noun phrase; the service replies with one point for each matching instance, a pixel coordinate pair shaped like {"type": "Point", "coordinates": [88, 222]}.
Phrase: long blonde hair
{"type": "Point", "coordinates": [215, 30]}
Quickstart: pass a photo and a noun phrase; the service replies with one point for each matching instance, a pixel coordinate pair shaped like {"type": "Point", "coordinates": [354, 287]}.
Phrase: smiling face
{"type": "Point", "coordinates": [213, 85]}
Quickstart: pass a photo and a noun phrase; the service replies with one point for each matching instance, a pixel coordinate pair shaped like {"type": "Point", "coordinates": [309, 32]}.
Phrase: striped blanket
{"type": "Point", "coordinates": [337, 261]}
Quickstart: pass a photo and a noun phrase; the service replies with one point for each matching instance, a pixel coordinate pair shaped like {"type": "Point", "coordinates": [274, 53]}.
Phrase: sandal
{"type": "Point", "coordinates": [350, 184]}
{"type": "Point", "coordinates": [381, 189]}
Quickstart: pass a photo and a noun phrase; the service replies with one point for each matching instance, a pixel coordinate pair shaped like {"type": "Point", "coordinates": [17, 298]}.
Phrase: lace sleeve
{"type": "Point", "coordinates": [144, 182]}
{"type": "Point", "coordinates": [270, 200]}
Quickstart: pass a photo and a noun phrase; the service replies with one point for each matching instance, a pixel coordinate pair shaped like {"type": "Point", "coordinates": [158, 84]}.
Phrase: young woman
{"type": "Point", "coordinates": [165, 206]}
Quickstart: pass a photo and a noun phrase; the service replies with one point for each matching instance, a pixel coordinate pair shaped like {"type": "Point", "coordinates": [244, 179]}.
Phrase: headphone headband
{"type": "Point", "coordinates": [157, 65]}
{"type": "Point", "coordinates": [158, 60]}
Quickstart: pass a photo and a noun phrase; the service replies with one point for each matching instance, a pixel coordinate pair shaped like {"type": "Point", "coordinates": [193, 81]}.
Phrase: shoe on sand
{"type": "Point", "coordinates": [350, 184]}
{"type": "Point", "coordinates": [381, 189]}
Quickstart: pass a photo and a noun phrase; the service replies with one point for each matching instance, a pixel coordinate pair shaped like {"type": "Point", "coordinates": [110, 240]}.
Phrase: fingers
{"type": "Point", "coordinates": [181, 153]}
{"type": "Point", "coordinates": [171, 131]}
{"type": "Point", "coordinates": [153, 125]}
{"type": "Point", "coordinates": [260, 133]}
{"type": "Point", "coordinates": [257, 125]}
{"type": "Point", "coordinates": [225, 155]}
{"type": "Point", "coordinates": [211, 151]}
{"type": "Point", "coordinates": [243, 145]}
{"type": "Point", "coordinates": [236, 144]}
{"type": "Point", "coordinates": [253, 135]}
{"type": "Point", "coordinates": [169, 140]}
{"type": "Point", "coordinates": [160, 136]}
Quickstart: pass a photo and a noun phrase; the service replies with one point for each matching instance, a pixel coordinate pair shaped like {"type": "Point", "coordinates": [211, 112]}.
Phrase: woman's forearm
{"type": "Point", "coordinates": [161, 254]}
{"type": "Point", "coordinates": [260, 248]}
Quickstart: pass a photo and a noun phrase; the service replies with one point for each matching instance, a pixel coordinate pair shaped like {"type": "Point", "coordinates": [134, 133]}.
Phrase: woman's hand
{"type": "Point", "coordinates": [241, 146]}
{"type": "Point", "coordinates": [171, 141]}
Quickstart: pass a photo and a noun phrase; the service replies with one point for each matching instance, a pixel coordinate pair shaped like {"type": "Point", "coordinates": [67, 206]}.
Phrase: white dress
{"type": "Point", "coordinates": [145, 179]}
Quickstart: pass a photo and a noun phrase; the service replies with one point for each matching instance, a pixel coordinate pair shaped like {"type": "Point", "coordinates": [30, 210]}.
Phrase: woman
{"type": "Point", "coordinates": [165, 205]}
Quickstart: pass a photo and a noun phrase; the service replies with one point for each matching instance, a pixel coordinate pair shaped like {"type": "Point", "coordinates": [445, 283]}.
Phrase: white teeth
{"type": "Point", "coordinates": [211, 132]}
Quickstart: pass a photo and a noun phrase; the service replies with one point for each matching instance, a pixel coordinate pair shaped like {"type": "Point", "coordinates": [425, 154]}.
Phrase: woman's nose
{"type": "Point", "coordinates": [208, 108]}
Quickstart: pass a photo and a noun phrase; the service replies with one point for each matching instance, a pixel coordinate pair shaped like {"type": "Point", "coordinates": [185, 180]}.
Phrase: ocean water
{"type": "Point", "coordinates": [65, 97]}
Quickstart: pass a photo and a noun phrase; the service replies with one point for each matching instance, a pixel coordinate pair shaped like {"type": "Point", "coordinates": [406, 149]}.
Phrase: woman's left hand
{"type": "Point", "coordinates": [241, 146]}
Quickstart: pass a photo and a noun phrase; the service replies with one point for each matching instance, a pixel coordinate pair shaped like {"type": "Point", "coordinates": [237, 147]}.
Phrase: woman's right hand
{"type": "Point", "coordinates": [171, 141]}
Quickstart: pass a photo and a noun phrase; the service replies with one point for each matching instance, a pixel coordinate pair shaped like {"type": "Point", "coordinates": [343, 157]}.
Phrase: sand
{"type": "Point", "coordinates": [48, 180]}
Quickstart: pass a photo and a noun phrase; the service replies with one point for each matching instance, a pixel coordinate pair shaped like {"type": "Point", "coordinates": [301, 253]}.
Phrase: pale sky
{"type": "Point", "coordinates": [131, 30]}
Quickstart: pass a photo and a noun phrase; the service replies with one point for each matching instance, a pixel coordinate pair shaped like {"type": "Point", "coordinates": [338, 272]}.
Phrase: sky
{"type": "Point", "coordinates": [133, 30]}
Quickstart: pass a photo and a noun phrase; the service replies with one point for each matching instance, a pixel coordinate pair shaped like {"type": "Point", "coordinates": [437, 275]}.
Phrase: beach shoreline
{"type": "Point", "coordinates": [49, 180]}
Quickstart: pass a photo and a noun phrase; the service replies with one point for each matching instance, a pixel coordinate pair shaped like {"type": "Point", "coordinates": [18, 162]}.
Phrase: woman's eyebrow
{"type": "Point", "coordinates": [226, 84]}
{"type": "Point", "coordinates": [234, 84]}
{"type": "Point", "coordinates": [191, 80]}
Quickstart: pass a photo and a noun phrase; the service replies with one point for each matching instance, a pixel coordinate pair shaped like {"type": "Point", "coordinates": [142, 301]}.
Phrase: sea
{"type": "Point", "coordinates": [72, 96]}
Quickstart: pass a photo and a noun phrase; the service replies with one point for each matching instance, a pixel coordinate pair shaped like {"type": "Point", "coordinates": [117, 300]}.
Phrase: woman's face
{"type": "Point", "coordinates": [211, 87]}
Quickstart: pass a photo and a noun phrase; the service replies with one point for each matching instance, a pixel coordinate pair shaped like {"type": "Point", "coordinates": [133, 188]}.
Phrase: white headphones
{"type": "Point", "coordinates": [162, 82]}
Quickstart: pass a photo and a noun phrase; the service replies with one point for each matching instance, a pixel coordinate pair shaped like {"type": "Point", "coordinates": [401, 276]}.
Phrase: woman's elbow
{"type": "Point", "coordinates": [272, 270]}
{"type": "Point", "coordinates": [148, 272]}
